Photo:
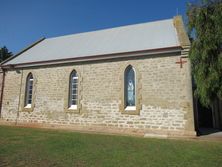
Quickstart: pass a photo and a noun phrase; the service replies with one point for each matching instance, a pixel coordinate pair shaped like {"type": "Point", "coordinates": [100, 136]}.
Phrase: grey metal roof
{"type": "Point", "coordinates": [145, 36]}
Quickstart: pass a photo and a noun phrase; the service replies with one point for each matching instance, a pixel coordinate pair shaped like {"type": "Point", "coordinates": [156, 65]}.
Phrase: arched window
{"type": "Point", "coordinates": [73, 90]}
{"type": "Point", "coordinates": [129, 88]}
{"type": "Point", "coordinates": [29, 90]}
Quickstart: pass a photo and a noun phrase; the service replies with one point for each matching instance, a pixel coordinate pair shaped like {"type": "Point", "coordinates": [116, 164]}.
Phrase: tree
{"type": "Point", "coordinates": [4, 54]}
{"type": "Point", "coordinates": [205, 27]}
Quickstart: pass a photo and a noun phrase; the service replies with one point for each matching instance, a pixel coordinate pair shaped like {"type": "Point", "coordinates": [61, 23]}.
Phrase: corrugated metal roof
{"type": "Point", "coordinates": [145, 36]}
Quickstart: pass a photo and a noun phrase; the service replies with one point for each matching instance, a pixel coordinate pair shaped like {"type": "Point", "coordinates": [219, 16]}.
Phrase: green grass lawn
{"type": "Point", "coordinates": [39, 147]}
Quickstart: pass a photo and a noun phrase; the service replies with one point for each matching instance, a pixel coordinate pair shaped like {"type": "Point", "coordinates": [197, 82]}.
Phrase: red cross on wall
{"type": "Point", "coordinates": [181, 62]}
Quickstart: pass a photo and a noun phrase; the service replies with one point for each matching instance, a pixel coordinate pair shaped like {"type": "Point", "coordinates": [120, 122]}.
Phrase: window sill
{"type": "Point", "coordinates": [72, 109]}
{"type": "Point", "coordinates": [131, 110]}
{"type": "Point", "coordinates": [28, 106]}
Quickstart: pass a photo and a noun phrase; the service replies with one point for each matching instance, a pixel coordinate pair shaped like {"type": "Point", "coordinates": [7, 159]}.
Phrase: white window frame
{"type": "Point", "coordinates": [27, 94]}
{"type": "Point", "coordinates": [70, 105]}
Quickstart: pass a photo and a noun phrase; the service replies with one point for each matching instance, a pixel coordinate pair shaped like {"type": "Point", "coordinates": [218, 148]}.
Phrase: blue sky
{"type": "Point", "coordinates": [22, 22]}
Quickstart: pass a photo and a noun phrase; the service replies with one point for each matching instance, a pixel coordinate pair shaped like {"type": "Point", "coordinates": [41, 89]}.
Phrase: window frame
{"type": "Point", "coordinates": [126, 107]}
{"type": "Point", "coordinates": [28, 95]}
{"type": "Point", "coordinates": [75, 108]}
{"type": "Point", "coordinates": [135, 110]}
{"type": "Point", "coordinates": [70, 105]}
{"type": "Point", "coordinates": [25, 106]}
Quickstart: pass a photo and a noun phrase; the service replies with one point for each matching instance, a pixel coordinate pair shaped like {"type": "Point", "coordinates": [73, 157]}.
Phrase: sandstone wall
{"type": "Point", "coordinates": [165, 95]}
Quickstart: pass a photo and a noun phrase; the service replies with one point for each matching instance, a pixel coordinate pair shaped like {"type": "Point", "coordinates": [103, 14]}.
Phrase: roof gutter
{"type": "Point", "coordinates": [97, 57]}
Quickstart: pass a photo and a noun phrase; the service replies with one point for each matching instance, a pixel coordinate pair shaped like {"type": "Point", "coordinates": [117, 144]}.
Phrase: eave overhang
{"type": "Point", "coordinates": [174, 49]}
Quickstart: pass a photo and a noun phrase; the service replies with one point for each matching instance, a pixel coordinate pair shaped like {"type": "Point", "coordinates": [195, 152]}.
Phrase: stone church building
{"type": "Point", "coordinates": [130, 79]}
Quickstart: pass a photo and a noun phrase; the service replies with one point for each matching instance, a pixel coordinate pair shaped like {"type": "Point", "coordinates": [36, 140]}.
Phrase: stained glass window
{"type": "Point", "coordinates": [129, 87]}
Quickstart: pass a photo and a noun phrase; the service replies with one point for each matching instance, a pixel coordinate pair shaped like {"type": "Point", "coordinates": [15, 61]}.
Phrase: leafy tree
{"type": "Point", "coordinates": [4, 54]}
{"type": "Point", "coordinates": [205, 27]}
